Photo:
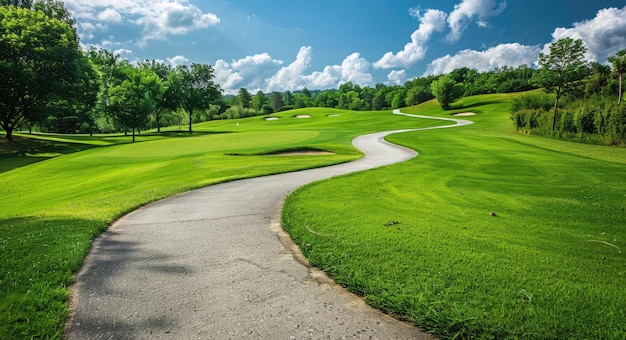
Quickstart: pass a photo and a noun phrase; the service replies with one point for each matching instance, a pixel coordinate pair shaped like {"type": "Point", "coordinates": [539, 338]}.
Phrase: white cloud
{"type": "Point", "coordinates": [433, 20]}
{"type": "Point", "coordinates": [159, 18]}
{"type": "Point", "coordinates": [249, 72]}
{"type": "Point", "coordinates": [110, 15]}
{"type": "Point", "coordinates": [176, 18]}
{"type": "Point", "coordinates": [355, 69]}
{"type": "Point", "coordinates": [603, 35]}
{"type": "Point", "coordinates": [226, 77]}
{"type": "Point", "coordinates": [326, 79]}
{"type": "Point", "coordinates": [291, 77]}
{"type": "Point", "coordinates": [262, 72]}
{"type": "Point", "coordinates": [512, 55]}
{"type": "Point", "coordinates": [178, 60]}
{"type": "Point", "coordinates": [465, 11]}
{"type": "Point", "coordinates": [397, 77]}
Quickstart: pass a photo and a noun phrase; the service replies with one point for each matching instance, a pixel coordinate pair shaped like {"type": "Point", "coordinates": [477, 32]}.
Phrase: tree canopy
{"type": "Point", "coordinates": [40, 65]}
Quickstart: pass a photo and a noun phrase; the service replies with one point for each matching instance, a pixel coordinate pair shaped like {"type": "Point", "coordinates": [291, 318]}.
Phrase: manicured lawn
{"type": "Point", "coordinates": [420, 240]}
{"type": "Point", "coordinates": [59, 192]}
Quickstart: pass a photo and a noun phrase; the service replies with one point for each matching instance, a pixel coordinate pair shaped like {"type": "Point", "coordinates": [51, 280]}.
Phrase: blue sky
{"type": "Point", "coordinates": [287, 45]}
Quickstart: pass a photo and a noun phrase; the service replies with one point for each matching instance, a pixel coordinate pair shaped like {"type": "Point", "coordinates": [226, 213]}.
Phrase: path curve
{"type": "Point", "coordinates": [208, 264]}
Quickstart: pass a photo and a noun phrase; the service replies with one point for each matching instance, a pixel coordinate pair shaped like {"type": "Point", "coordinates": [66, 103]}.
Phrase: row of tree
{"type": "Point", "coordinates": [47, 81]}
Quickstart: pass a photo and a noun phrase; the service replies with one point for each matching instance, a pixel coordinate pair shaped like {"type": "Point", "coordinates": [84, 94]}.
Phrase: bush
{"type": "Point", "coordinates": [567, 121]}
{"type": "Point", "coordinates": [616, 125]}
{"type": "Point", "coordinates": [584, 120]}
{"type": "Point", "coordinates": [526, 120]}
{"type": "Point", "coordinates": [533, 101]}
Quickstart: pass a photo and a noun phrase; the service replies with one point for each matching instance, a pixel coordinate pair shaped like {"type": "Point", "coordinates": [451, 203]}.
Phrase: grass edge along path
{"type": "Point", "coordinates": [487, 234]}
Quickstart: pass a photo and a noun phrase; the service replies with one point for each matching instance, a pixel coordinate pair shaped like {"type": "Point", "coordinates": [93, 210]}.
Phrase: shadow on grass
{"type": "Point", "coordinates": [479, 104]}
{"type": "Point", "coordinates": [26, 151]}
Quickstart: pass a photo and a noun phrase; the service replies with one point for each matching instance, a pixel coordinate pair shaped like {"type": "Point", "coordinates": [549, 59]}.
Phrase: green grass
{"type": "Point", "coordinates": [419, 240]}
{"type": "Point", "coordinates": [51, 209]}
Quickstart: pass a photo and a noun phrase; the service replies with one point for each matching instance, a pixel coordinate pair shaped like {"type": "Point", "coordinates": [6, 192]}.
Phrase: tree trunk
{"type": "Point", "coordinates": [190, 121]}
{"type": "Point", "coordinates": [158, 126]}
{"type": "Point", "coordinates": [9, 134]}
{"type": "Point", "coordinates": [556, 106]}
{"type": "Point", "coordinates": [619, 96]}
{"type": "Point", "coordinates": [133, 135]}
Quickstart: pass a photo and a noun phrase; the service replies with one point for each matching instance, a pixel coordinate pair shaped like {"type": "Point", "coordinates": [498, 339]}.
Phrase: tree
{"type": "Point", "coordinates": [164, 99]}
{"type": "Point", "coordinates": [619, 66]}
{"type": "Point", "coordinates": [447, 91]}
{"type": "Point", "coordinates": [132, 100]}
{"type": "Point", "coordinates": [244, 98]}
{"type": "Point", "coordinates": [40, 63]}
{"type": "Point", "coordinates": [562, 70]}
{"type": "Point", "coordinates": [258, 101]}
{"type": "Point", "coordinates": [276, 100]}
{"type": "Point", "coordinates": [28, 4]}
{"type": "Point", "coordinates": [194, 88]}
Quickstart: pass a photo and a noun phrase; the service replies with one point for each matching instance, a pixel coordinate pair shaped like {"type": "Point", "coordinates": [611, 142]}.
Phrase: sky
{"type": "Point", "coordinates": [283, 45]}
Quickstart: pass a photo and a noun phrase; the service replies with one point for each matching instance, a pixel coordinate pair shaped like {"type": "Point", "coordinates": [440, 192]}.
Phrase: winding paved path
{"type": "Point", "coordinates": [214, 263]}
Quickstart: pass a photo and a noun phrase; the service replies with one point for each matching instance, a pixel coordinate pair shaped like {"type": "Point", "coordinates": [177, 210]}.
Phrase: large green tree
{"type": "Point", "coordinates": [165, 100]}
{"type": "Point", "coordinates": [446, 90]}
{"type": "Point", "coordinates": [619, 66]}
{"type": "Point", "coordinates": [133, 99]}
{"type": "Point", "coordinates": [194, 88]}
{"type": "Point", "coordinates": [562, 70]}
{"type": "Point", "coordinates": [40, 64]}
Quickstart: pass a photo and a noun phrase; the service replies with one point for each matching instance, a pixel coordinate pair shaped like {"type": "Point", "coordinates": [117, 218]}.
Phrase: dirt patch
{"type": "Point", "coordinates": [464, 114]}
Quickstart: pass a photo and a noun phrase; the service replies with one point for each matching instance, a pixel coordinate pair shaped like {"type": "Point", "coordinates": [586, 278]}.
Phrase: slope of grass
{"type": "Point", "coordinates": [422, 242]}
{"type": "Point", "coordinates": [51, 210]}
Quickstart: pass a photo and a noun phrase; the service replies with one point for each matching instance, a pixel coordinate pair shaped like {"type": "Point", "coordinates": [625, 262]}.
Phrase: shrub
{"type": "Point", "coordinates": [567, 121]}
{"type": "Point", "coordinates": [584, 120]}
{"type": "Point", "coordinates": [616, 125]}
{"type": "Point", "coordinates": [533, 101]}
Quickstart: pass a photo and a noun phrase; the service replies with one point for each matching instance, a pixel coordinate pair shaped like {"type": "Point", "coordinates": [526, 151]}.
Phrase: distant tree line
{"type": "Point", "coordinates": [580, 101]}
{"type": "Point", "coordinates": [350, 96]}
{"type": "Point", "coordinates": [48, 83]}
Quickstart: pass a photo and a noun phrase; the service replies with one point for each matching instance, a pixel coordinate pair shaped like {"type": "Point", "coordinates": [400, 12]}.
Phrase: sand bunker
{"type": "Point", "coordinates": [464, 114]}
{"type": "Point", "coordinates": [271, 118]}
{"type": "Point", "coordinates": [334, 115]}
{"type": "Point", "coordinates": [303, 116]}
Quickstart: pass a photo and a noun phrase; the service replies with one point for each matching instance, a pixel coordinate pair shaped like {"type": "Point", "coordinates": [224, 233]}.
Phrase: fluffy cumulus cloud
{"type": "Point", "coordinates": [262, 72]}
{"type": "Point", "coordinates": [512, 55]}
{"type": "Point", "coordinates": [110, 15]}
{"type": "Point", "coordinates": [431, 21]}
{"type": "Point", "coordinates": [603, 35]}
{"type": "Point", "coordinates": [468, 10]}
{"type": "Point", "coordinates": [178, 60]}
{"type": "Point", "coordinates": [397, 77]}
{"type": "Point", "coordinates": [159, 18]}
{"type": "Point", "coordinates": [249, 72]}
{"type": "Point", "coordinates": [291, 77]}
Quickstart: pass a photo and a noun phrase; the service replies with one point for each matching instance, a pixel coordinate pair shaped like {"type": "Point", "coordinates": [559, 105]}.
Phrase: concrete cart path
{"type": "Point", "coordinates": [213, 263]}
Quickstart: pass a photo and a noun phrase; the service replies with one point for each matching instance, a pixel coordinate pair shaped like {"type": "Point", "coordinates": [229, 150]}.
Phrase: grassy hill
{"type": "Point", "coordinates": [487, 234]}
